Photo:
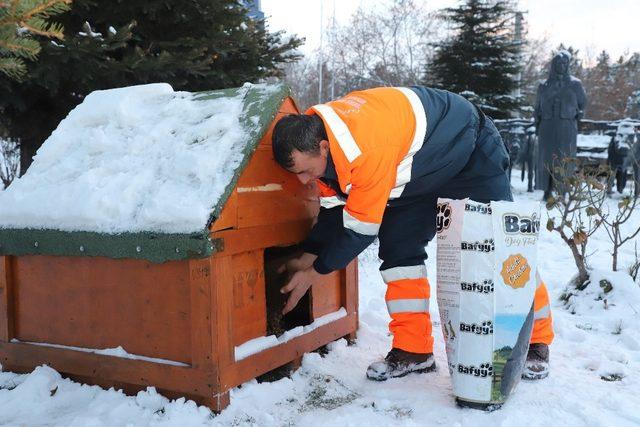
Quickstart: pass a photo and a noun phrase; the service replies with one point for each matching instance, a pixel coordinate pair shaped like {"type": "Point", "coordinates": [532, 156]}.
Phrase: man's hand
{"type": "Point", "coordinates": [298, 285]}
{"type": "Point", "coordinates": [303, 262]}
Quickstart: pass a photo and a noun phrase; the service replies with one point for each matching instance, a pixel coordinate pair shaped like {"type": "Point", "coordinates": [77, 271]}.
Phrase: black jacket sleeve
{"type": "Point", "coordinates": [334, 245]}
{"type": "Point", "coordinates": [341, 250]}
{"type": "Point", "coordinates": [324, 230]}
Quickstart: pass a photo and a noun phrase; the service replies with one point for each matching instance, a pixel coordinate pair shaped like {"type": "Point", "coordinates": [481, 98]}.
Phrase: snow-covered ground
{"type": "Point", "coordinates": [591, 345]}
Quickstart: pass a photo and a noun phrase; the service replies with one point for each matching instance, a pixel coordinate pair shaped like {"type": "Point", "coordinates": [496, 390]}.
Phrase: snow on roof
{"type": "Point", "coordinates": [141, 158]}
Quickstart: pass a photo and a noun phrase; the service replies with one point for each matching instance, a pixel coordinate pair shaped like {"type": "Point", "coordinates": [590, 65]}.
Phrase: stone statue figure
{"type": "Point", "coordinates": [559, 106]}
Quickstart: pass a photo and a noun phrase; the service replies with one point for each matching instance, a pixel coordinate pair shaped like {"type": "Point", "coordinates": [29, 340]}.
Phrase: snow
{"type": "Point", "coordinates": [256, 345]}
{"type": "Point", "coordinates": [626, 127]}
{"type": "Point", "coordinates": [593, 146]}
{"type": "Point", "coordinates": [142, 158]}
{"type": "Point", "coordinates": [591, 343]}
{"type": "Point", "coordinates": [593, 141]}
{"type": "Point", "coordinates": [89, 32]}
{"type": "Point", "coordinates": [117, 352]}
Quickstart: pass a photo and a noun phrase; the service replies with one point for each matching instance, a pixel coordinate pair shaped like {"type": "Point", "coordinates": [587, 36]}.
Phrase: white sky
{"type": "Point", "coordinates": [588, 25]}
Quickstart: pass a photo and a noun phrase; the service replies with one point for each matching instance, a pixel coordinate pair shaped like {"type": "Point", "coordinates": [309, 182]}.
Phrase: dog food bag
{"type": "Point", "coordinates": [486, 264]}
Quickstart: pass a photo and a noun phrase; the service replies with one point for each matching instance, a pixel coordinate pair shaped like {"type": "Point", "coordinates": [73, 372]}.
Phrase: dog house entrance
{"type": "Point", "coordinates": [277, 324]}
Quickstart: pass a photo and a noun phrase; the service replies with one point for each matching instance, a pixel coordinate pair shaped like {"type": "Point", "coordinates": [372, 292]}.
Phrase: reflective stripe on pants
{"type": "Point", "coordinates": [408, 304]}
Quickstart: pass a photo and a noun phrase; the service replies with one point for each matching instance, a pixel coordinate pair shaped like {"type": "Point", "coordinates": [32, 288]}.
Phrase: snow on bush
{"type": "Point", "coordinates": [608, 295]}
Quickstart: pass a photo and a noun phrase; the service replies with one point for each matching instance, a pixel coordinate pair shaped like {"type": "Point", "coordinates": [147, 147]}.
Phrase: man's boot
{"type": "Point", "coordinates": [399, 363]}
{"type": "Point", "coordinates": [536, 366]}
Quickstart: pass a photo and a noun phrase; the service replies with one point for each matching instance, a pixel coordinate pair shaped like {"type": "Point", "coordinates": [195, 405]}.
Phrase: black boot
{"type": "Point", "coordinates": [399, 363]}
{"type": "Point", "coordinates": [536, 366]}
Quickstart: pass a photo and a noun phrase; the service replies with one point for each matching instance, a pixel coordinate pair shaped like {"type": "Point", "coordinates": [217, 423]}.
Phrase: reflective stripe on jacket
{"type": "Point", "coordinates": [389, 144]}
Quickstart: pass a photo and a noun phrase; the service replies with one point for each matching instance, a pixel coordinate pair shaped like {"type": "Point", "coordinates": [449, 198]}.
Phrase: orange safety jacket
{"type": "Point", "coordinates": [386, 145]}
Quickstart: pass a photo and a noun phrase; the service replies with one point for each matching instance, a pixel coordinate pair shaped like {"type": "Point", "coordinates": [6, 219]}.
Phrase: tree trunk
{"type": "Point", "coordinates": [616, 244]}
{"type": "Point", "coordinates": [36, 124]}
{"type": "Point", "coordinates": [583, 274]}
{"type": "Point", "coordinates": [28, 148]}
{"type": "Point", "coordinates": [32, 135]}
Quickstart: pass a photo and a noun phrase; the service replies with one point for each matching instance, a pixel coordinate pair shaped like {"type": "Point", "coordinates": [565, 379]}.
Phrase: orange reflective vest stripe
{"type": "Point", "coordinates": [373, 135]}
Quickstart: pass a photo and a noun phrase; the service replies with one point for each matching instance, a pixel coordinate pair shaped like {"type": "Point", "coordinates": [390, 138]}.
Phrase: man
{"type": "Point", "coordinates": [381, 158]}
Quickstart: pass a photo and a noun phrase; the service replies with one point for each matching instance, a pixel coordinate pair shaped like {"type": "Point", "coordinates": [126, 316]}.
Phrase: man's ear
{"type": "Point", "coordinates": [324, 147]}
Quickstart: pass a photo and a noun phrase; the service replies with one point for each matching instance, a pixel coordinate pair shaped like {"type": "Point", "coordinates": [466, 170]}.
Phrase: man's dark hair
{"type": "Point", "coordinates": [296, 132]}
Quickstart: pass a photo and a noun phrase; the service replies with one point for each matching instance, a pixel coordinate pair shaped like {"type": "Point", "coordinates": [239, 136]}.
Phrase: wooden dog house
{"type": "Point", "coordinates": [191, 313]}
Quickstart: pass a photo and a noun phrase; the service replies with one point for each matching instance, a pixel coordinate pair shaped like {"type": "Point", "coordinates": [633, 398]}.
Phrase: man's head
{"type": "Point", "coordinates": [300, 146]}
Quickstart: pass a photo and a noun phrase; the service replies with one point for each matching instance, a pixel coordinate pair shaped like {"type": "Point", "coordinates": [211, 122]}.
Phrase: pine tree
{"type": "Point", "coordinates": [619, 89]}
{"type": "Point", "coordinates": [196, 45]}
{"type": "Point", "coordinates": [19, 19]}
{"type": "Point", "coordinates": [628, 84]}
{"type": "Point", "coordinates": [598, 83]}
{"type": "Point", "coordinates": [481, 58]}
{"type": "Point", "coordinates": [633, 105]}
{"type": "Point", "coordinates": [610, 86]}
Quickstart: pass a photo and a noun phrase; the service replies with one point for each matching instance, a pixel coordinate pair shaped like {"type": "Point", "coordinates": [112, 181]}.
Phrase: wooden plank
{"type": "Point", "coordinates": [265, 236]}
{"type": "Point", "coordinates": [349, 295]}
{"type": "Point", "coordinates": [105, 370]}
{"type": "Point", "coordinates": [268, 194]}
{"type": "Point", "coordinates": [222, 297]}
{"type": "Point", "coordinates": [216, 401]}
{"type": "Point", "coordinates": [249, 301]}
{"type": "Point", "coordinates": [94, 302]}
{"type": "Point", "coordinates": [200, 310]}
{"type": "Point", "coordinates": [229, 216]}
{"type": "Point", "coordinates": [274, 357]}
{"type": "Point", "coordinates": [6, 300]}
{"type": "Point", "coordinates": [349, 287]}
{"type": "Point", "coordinates": [326, 295]}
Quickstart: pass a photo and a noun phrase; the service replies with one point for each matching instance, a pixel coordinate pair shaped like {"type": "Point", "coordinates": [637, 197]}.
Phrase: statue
{"type": "Point", "coordinates": [527, 157]}
{"type": "Point", "coordinates": [559, 106]}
